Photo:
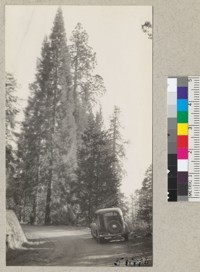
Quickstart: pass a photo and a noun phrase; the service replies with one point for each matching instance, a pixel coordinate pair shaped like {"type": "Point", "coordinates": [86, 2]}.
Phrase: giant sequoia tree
{"type": "Point", "coordinates": [87, 86]}
{"type": "Point", "coordinates": [68, 164]}
{"type": "Point", "coordinates": [48, 136]}
{"type": "Point", "coordinates": [63, 127]}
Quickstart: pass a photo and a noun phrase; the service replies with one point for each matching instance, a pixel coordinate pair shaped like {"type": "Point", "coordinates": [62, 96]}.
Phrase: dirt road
{"type": "Point", "coordinates": [71, 246]}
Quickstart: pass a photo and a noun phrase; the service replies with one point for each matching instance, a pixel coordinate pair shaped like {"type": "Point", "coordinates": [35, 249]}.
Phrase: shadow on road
{"type": "Point", "coordinates": [63, 246]}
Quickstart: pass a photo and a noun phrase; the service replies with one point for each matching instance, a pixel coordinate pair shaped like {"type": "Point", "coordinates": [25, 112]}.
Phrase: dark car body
{"type": "Point", "coordinates": [109, 224]}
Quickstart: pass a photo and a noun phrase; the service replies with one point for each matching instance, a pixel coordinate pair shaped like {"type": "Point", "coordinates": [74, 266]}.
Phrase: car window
{"type": "Point", "coordinates": [111, 214]}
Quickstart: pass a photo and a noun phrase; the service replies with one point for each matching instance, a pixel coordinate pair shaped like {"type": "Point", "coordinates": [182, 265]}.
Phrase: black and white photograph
{"type": "Point", "coordinates": [79, 183]}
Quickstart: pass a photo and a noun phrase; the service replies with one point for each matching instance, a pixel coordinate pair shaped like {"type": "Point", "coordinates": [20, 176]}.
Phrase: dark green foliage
{"type": "Point", "coordinates": [68, 165]}
{"type": "Point", "coordinates": [98, 182]}
{"type": "Point", "coordinates": [63, 137]}
{"type": "Point", "coordinates": [12, 192]}
{"type": "Point", "coordinates": [116, 142]}
{"type": "Point", "coordinates": [48, 138]}
{"type": "Point", "coordinates": [145, 200]}
{"type": "Point", "coordinates": [140, 211]}
{"type": "Point", "coordinates": [11, 112]}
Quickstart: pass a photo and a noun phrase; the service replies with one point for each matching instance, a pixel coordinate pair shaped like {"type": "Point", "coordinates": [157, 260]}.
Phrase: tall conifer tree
{"type": "Point", "coordinates": [87, 86]}
{"type": "Point", "coordinates": [11, 139]}
{"type": "Point", "coordinates": [117, 147]}
{"type": "Point", "coordinates": [50, 127]}
{"type": "Point", "coordinates": [98, 184]}
{"type": "Point", "coordinates": [63, 133]}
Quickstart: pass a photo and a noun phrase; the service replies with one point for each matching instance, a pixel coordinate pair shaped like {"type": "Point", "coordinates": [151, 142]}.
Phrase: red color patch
{"type": "Point", "coordinates": [182, 141]}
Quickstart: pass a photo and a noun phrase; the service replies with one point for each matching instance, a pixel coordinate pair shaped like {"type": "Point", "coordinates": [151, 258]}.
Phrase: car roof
{"type": "Point", "coordinates": [101, 211]}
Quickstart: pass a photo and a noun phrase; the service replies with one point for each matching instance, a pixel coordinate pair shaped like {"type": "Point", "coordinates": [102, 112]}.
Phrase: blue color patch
{"type": "Point", "coordinates": [182, 105]}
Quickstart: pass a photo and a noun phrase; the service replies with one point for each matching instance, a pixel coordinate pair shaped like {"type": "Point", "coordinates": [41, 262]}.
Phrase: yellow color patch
{"type": "Point", "coordinates": [182, 129]}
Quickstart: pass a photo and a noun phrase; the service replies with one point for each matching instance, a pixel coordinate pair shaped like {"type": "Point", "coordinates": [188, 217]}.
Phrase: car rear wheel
{"type": "Point", "coordinates": [114, 227]}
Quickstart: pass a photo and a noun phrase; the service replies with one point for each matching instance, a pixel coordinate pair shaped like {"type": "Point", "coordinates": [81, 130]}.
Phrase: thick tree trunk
{"type": "Point", "coordinates": [35, 202]}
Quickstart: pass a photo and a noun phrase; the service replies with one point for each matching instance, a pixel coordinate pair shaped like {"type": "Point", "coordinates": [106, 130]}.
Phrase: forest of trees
{"type": "Point", "coordinates": [64, 164]}
{"type": "Point", "coordinates": [140, 215]}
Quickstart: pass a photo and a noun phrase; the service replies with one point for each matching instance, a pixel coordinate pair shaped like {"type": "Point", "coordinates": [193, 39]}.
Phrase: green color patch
{"type": "Point", "coordinates": [182, 116]}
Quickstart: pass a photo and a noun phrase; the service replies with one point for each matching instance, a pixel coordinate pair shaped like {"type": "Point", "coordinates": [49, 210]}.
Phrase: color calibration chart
{"type": "Point", "coordinates": [183, 99]}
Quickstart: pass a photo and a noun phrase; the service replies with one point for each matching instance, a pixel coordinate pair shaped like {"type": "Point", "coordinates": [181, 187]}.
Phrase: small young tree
{"type": "Point", "coordinates": [146, 200]}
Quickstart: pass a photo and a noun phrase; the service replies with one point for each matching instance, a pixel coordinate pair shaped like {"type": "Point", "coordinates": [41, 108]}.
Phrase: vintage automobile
{"type": "Point", "coordinates": [109, 224]}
